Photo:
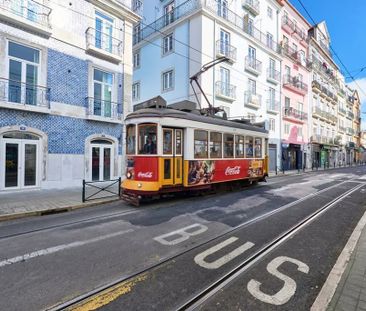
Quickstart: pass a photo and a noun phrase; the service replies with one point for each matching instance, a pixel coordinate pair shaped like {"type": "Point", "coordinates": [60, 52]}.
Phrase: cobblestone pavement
{"type": "Point", "coordinates": [351, 291]}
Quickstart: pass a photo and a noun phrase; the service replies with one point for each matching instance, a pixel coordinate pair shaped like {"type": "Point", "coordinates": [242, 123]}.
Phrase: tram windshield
{"type": "Point", "coordinates": [131, 139]}
{"type": "Point", "coordinates": [147, 138]}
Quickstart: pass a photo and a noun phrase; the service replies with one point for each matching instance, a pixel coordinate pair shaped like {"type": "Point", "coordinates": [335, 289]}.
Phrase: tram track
{"type": "Point", "coordinates": [69, 305]}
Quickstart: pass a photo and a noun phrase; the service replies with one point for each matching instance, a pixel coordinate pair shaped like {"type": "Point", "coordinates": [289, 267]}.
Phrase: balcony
{"type": "Point", "coordinates": [225, 91]}
{"type": "Point", "coordinates": [225, 49]}
{"type": "Point", "coordinates": [316, 86]}
{"type": "Point", "coordinates": [342, 129]}
{"type": "Point", "coordinates": [29, 15]}
{"type": "Point", "coordinates": [300, 34]}
{"type": "Point", "coordinates": [322, 68]}
{"type": "Point", "coordinates": [293, 113]}
{"type": "Point", "coordinates": [321, 139]}
{"type": "Point", "coordinates": [273, 76]}
{"type": "Point", "coordinates": [342, 111]}
{"type": "Point", "coordinates": [287, 25]}
{"type": "Point", "coordinates": [350, 115]}
{"type": "Point", "coordinates": [326, 116]}
{"type": "Point", "coordinates": [296, 56]}
{"type": "Point", "coordinates": [252, 6]}
{"type": "Point", "coordinates": [253, 65]}
{"type": "Point", "coordinates": [273, 106]}
{"type": "Point", "coordinates": [103, 110]}
{"type": "Point", "coordinates": [24, 96]}
{"type": "Point", "coordinates": [103, 45]}
{"type": "Point", "coordinates": [294, 84]}
{"type": "Point", "coordinates": [252, 100]}
{"type": "Point", "coordinates": [349, 131]}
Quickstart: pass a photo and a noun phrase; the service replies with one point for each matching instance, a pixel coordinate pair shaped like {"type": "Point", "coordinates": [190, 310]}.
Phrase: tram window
{"type": "Point", "coordinates": [131, 139]}
{"type": "Point", "coordinates": [215, 145]}
{"type": "Point", "coordinates": [147, 139]}
{"type": "Point", "coordinates": [249, 147]}
{"type": "Point", "coordinates": [178, 142]}
{"type": "Point", "coordinates": [258, 147]}
{"type": "Point", "coordinates": [200, 144]}
{"type": "Point", "coordinates": [167, 141]}
{"type": "Point", "coordinates": [239, 146]}
{"type": "Point", "coordinates": [228, 146]}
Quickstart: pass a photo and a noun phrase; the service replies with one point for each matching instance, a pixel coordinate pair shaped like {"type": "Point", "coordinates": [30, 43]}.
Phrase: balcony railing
{"type": "Point", "coordinates": [252, 6]}
{"type": "Point", "coordinates": [26, 94]}
{"type": "Point", "coordinates": [350, 115]}
{"type": "Point", "coordinates": [100, 108]}
{"type": "Point", "coordinates": [296, 56]}
{"type": "Point", "coordinates": [342, 129]}
{"type": "Point", "coordinates": [325, 47]}
{"type": "Point", "coordinates": [29, 10]}
{"type": "Point", "coordinates": [342, 111]}
{"type": "Point", "coordinates": [215, 7]}
{"type": "Point", "coordinates": [273, 75]}
{"type": "Point", "coordinates": [100, 42]}
{"type": "Point", "coordinates": [273, 105]}
{"type": "Point", "coordinates": [294, 113]}
{"type": "Point", "coordinates": [225, 49]}
{"type": "Point", "coordinates": [323, 69]}
{"type": "Point", "coordinates": [295, 84]}
{"type": "Point", "coordinates": [252, 100]}
{"type": "Point", "coordinates": [349, 131]}
{"type": "Point", "coordinates": [253, 65]}
{"type": "Point", "coordinates": [327, 116]}
{"type": "Point", "coordinates": [291, 28]}
{"type": "Point", "coordinates": [225, 90]}
{"type": "Point", "coordinates": [321, 139]}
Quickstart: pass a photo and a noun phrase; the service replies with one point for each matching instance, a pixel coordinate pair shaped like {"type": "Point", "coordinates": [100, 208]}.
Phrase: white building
{"type": "Point", "coordinates": [176, 38]}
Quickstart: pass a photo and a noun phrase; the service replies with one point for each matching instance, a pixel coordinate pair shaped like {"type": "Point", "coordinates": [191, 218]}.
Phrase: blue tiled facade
{"type": "Point", "coordinates": [66, 135]}
{"type": "Point", "coordinates": [67, 77]}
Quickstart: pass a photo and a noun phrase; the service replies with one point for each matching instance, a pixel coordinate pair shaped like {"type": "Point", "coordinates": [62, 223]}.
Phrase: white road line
{"type": "Point", "coordinates": [58, 248]}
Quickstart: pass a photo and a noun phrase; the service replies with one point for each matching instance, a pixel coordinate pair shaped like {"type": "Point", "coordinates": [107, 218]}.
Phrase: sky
{"type": "Point", "coordinates": [346, 23]}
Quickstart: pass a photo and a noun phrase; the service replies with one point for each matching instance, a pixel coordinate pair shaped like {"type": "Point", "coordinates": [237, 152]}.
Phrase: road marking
{"type": "Point", "coordinates": [363, 177]}
{"type": "Point", "coordinates": [184, 235]}
{"type": "Point", "coordinates": [58, 248]}
{"type": "Point", "coordinates": [330, 286]}
{"type": "Point", "coordinates": [288, 289]}
{"type": "Point", "coordinates": [200, 258]}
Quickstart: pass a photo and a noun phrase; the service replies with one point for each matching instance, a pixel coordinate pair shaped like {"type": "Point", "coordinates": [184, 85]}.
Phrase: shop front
{"type": "Point", "coordinates": [292, 156]}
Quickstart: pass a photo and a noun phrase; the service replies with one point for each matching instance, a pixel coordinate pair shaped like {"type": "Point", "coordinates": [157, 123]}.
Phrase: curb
{"type": "Point", "coordinates": [51, 211]}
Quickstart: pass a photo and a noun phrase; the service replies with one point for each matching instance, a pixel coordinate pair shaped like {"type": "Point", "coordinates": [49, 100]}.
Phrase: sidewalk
{"type": "Point", "coordinates": [25, 203]}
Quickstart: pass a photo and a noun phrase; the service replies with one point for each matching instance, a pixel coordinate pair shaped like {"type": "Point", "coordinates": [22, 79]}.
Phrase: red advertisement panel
{"type": "Point", "coordinates": [144, 168]}
{"type": "Point", "coordinates": [209, 171]}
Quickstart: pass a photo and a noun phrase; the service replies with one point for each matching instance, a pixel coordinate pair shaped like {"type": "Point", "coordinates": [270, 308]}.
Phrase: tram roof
{"type": "Point", "coordinates": [173, 113]}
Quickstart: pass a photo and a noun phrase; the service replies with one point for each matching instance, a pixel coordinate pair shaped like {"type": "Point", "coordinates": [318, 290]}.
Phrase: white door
{"type": "Point", "coordinates": [101, 162]}
{"type": "Point", "coordinates": [20, 163]}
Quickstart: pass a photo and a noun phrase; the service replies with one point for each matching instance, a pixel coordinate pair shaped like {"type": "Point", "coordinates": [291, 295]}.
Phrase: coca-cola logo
{"type": "Point", "coordinates": [145, 174]}
{"type": "Point", "coordinates": [232, 170]}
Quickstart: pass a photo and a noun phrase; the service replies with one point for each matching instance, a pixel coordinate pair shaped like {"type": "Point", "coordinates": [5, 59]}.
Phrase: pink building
{"type": "Point", "coordinates": [295, 87]}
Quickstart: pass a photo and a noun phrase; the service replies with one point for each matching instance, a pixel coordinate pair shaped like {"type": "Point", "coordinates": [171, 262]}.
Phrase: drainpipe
{"type": "Point", "coordinates": [280, 125]}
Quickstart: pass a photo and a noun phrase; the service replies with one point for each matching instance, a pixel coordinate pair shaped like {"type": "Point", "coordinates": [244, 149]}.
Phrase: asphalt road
{"type": "Point", "coordinates": [176, 248]}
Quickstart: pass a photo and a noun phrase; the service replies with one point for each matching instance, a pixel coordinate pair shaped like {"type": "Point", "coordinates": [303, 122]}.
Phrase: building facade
{"type": "Point", "coordinates": [182, 36]}
{"type": "Point", "coordinates": [65, 84]}
{"type": "Point", "coordinates": [295, 88]}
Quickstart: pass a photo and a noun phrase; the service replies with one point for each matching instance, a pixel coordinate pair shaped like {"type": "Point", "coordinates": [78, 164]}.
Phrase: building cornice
{"type": "Point", "coordinates": [117, 9]}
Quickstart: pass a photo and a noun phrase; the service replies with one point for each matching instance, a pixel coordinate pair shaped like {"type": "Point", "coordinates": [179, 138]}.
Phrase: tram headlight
{"type": "Point", "coordinates": [129, 175]}
{"type": "Point", "coordinates": [139, 185]}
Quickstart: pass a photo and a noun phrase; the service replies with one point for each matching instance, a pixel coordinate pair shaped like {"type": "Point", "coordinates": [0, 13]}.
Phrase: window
{"type": "Point", "coordinates": [258, 147]}
{"type": "Point", "coordinates": [168, 80]}
{"type": "Point", "coordinates": [269, 12]}
{"type": "Point", "coordinates": [252, 52]}
{"type": "Point", "coordinates": [224, 43]}
{"type": "Point", "coordinates": [249, 147]}
{"type": "Point", "coordinates": [178, 142]}
{"type": "Point", "coordinates": [300, 107]}
{"type": "Point", "coordinates": [168, 44]}
{"type": "Point", "coordinates": [215, 145]}
{"type": "Point", "coordinates": [252, 86]}
{"type": "Point", "coordinates": [294, 47]}
{"type": "Point", "coordinates": [285, 40]}
{"type": "Point", "coordinates": [147, 139]}
{"type": "Point", "coordinates": [23, 74]}
{"type": "Point", "coordinates": [225, 81]}
{"type": "Point", "coordinates": [239, 146]}
{"type": "Point", "coordinates": [103, 85]}
{"type": "Point", "coordinates": [272, 124]}
{"type": "Point", "coordinates": [250, 26]}
{"type": "Point", "coordinates": [136, 91]}
{"type": "Point", "coordinates": [287, 72]}
{"type": "Point", "coordinates": [103, 32]}
{"type": "Point", "coordinates": [269, 40]}
{"type": "Point", "coordinates": [200, 144]}
{"type": "Point", "coordinates": [272, 98]}
{"type": "Point", "coordinates": [137, 33]}
{"type": "Point", "coordinates": [228, 145]}
{"type": "Point", "coordinates": [222, 8]}
{"type": "Point", "coordinates": [131, 139]}
{"type": "Point", "coordinates": [169, 13]}
{"type": "Point", "coordinates": [167, 141]}
{"type": "Point", "coordinates": [299, 131]}
{"type": "Point", "coordinates": [287, 128]}
{"type": "Point", "coordinates": [287, 103]}
{"type": "Point", "coordinates": [136, 60]}
{"type": "Point", "coordinates": [251, 117]}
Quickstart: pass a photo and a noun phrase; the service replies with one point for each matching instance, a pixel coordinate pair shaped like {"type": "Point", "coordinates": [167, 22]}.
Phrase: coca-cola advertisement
{"type": "Point", "coordinates": [146, 168]}
{"type": "Point", "coordinates": [208, 171]}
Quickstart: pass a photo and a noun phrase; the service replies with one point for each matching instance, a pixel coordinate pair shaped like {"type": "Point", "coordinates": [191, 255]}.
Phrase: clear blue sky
{"type": "Point", "coordinates": [346, 22]}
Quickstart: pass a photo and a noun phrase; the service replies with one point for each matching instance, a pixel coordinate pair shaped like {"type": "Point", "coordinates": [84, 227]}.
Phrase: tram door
{"type": "Point", "coordinates": [172, 160]}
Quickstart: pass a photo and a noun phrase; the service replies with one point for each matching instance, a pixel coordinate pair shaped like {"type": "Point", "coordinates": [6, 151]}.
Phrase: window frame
{"type": "Point", "coordinates": [137, 83]}
{"type": "Point", "coordinates": [227, 143]}
{"type": "Point", "coordinates": [211, 144]}
{"type": "Point", "coordinates": [171, 87]}
{"type": "Point", "coordinates": [245, 145]}
{"type": "Point", "coordinates": [127, 137]}
{"type": "Point", "coordinates": [171, 141]}
{"type": "Point", "coordinates": [138, 139]}
{"type": "Point", "coordinates": [237, 143]}
{"type": "Point", "coordinates": [170, 44]}
{"type": "Point", "coordinates": [137, 59]}
{"type": "Point", "coordinates": [255, 147]}
{"type": "Point", "coordinates": [194, 144]}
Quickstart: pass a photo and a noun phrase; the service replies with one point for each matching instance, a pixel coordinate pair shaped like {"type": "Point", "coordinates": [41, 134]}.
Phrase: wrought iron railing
{"type": "Point", "coordinates": [103, 108]}
{"type": "Point", "coordinates": [225, 89]}
{"type": "Point", "coordinates": [350, 114]}
{"type": "Point", "coordinates": [295, 55]}
{"type": "Point", "coordinates": [27, 94]}
{"type": "Point", "coordinates": [273, 105]}
{"type": "Point", "coordinates": [252, 99]}
{"type": "Point", "coordinates": [273, 74]}
{"type": "Point", "coordinates": [104, 41]}
{"type": "Point", "coordinates": [253, 64]}
{"type": "Point", "coordinates": [294, 82]}
{"type": "Point", "coordinates": [226, 49]}
{"type": "Point", "coordinates": [294, 113]}
{"type": "Point", "coordinates": [30, 10]}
